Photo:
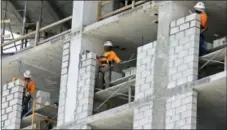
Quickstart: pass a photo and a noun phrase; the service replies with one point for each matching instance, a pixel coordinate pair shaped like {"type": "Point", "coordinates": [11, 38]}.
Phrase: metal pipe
{"type": "Point", "coordinates": [37, 33]}
{"type": "Point", "coordinates": [24, 21]}
{"type": "Point", "coordinates": [3, 30]}
{"type": "Point", "coordinates": [129, 94]}
{"type": "Point", "coordinates": [40, 30]}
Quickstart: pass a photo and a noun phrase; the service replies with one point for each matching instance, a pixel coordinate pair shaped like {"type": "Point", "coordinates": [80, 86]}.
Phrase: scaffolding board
{"type": "Point", "coordinates": [122, 84]}
{"type": "Point", "coordinates": [218, 55]}
{"type": "Point", "coordinates": [26, 121]}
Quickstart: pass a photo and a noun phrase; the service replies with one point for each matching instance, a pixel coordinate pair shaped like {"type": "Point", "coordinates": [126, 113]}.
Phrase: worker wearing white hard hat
{"type": "Point", "coordinates": [29, 91]}
{"type": "Point", "coordinates": [107, 63]}
{"type": "Point", "coordinates": [200, 9]}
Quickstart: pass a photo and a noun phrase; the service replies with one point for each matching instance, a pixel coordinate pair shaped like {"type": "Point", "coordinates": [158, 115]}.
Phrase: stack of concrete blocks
{"type": "Point", "coordinates": [86, 83]}
{"type": "Point", "coordinates": [184, 50]}
{"type": "Point", "coordinates": [181, 111]}
{"type": "Point", "coordinates": [219, 42]}
{"type": "Point", "coordinates": [63, 85]}
{"type": "Point", "coordinates": [142, 118]}
{"type": "Point", "coordinates": [130, 71]}
{"type": "Point", "coordinates": [12, 105]}
{"type": "Point", "coordinates": [43, 98]}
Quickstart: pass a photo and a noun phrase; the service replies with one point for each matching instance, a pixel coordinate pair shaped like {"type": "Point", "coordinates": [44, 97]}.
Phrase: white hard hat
{"type": "Point", "coordinates": [108, 43]}
{"type": "Point", "coordinates": [200, 6]}
{"type": "Point", "coordinates": [27, 74]}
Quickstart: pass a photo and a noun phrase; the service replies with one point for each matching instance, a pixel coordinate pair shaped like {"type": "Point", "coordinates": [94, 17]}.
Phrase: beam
{"type": "Point", "coordinates": [16, 6]}
{"type": "Point", "coordinates": [57, 11]}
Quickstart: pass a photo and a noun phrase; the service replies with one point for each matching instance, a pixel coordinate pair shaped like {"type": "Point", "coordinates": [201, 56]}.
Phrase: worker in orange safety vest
{"type": "Point", "coordinates": [200, 9]}
{"type": "Point", "coordinates": [107, 63]}
{"type": "Point", "coordinates": [29, 91]}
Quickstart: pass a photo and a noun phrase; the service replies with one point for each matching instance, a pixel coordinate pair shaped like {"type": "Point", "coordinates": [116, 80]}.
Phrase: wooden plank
{"type": "Point", "coordinates": [218, 55]}
{"type": "Point", "coordinates": [26, 121]}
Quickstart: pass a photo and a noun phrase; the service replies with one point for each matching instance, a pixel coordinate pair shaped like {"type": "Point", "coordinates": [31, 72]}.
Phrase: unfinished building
{"type": "Point", "coordinates": [167, 85]}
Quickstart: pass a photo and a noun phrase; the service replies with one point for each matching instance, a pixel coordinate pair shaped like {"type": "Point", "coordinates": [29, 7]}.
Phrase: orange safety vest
{"type": "Point", "coordinates": [108, 58]}
{"type": "Point", "coordinates": [30, 86]}
{"type": "Point", "coordinates": [203, 20]}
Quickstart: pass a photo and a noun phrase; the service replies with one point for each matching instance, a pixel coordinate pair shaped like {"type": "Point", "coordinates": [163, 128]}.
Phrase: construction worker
{"type": "Point", "coordinates": [107, 63]}
{"type": "Point", "coordinates": [29, 91]}
{"type": "Point", "coordinates": [200, 9]}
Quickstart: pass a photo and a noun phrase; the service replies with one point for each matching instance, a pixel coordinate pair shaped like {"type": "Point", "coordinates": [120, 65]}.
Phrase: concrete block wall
{"type": "Point", "coordinates": [142, 118]}
{"type": "Point", "coordinates": [63, 85]}
{"type": "Point", "coordinates": [181, 111]}
{"type": "Point", "coordinates": [144, 70]}
{"type": "Point", "coordinates": [184, 50]}
{"type": "Point", "coordinates": [86, 83]}
{"type": "Point", "coordinates": [11, 109]}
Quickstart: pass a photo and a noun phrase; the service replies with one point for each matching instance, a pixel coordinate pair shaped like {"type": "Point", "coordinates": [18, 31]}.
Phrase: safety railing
{"type": "Point", "coordinates": [34, 35]}
{"type": "Point", "coordinates": [126, 6]}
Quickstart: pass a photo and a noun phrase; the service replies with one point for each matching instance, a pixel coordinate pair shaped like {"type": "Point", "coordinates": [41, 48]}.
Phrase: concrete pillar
{"type": "Point", "coordinates": [84, 13]}
{"type": "Point", "coordinates": [86, 83]}
{"type": "Point", "coordinates": [184, 50]}
{"type": "Point", "coordinates": [142, 118]}
{"type": "Point", "coordinates": [181, 111]}
{"type": "Point", "coordinates": [11, 105]}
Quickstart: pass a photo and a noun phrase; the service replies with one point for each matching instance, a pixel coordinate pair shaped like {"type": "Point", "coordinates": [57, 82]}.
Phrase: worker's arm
{"type": "Point", "coordinates": [116, 58]}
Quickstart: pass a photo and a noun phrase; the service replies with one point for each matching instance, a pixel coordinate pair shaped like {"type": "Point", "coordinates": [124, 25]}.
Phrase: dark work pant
{"type": "Point", "coordinates": [202, 47]}
{"type": "Point", "coordinates": [25, 104]}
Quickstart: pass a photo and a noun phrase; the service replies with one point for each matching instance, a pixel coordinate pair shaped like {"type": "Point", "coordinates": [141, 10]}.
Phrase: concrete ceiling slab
{"type": "Point", "coordinates": [128, 28]}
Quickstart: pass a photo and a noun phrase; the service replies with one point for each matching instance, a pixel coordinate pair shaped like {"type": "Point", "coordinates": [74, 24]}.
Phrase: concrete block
{"type": "Point", "coordinates": [187, 114]}
{"type": "Point", "coordinates": [180, 123]}
{"type": "Point", "coordinates": [179, 61]}
{"type": "Point", "coordinates": [64, 71]}
{"type": "Point", "coordinates": [190, 58]}
{"type": "Point", "coordinates": [170, 125]}
{"type": "Point", "coordinates": [3, 99]}
{"type": "Point", "coordinates": [19, 82]}
{"type": "Point", "coordinates": [174, 30]}
{"type": "Point", "coordinates": [9, 109]}
{"type": "Point", "coordinates": [15, 120]}
{"type": "Point", "coordinates": [5, 87]}
{"type": "Point", "coordinates": [18, 95]}
{"type": "Point", "coordinates": [194, 23]}
{"type": "Point", "coordinates": [17, 107]}
{"type": "Point", "coordinates": [191, 106]}
{"type": "Point", "coordinates": [192, 31]}
{"type": "Point", "coordinates": [17, 89]}
{"type": "Point", "coordinates": [149, 92]}
{"type": "Point", "coordinates": [168, 105]}
{"type": "Point", "coordinates": [9, 97]}
{"type": "Point", "coordinates": [5, 105]}
{"type": "Point", "coordinates": [65, 46]}
{"type": "Point", "coordinates": [148, 46]}
{"type": "Point", "coordinates": [191, 17]}
{"type": "Point", "coordinates": [181, 109]}
{"type": "Point", "coordinates": [6, 92]}
{"type": "Point", "coordinates": [176, 103]}
{"type": "Point", "coordinates": [178, 49]}
{"type": "Point", "coordinates": [173, 24]}
{"type": "Point", "coordinates": [182, 67]}
{"type": "Point", "coordinates": [172, 84]}
{"type": "Point", "coordinates": [180, 21]}
{"type": "Point", "coordinates": [172, 37]}
{"type": "Point", "coordinates": [182, 54]}
{"type": "Point", "coordinates": [184, 26]}
{"type": "Point", "coordinates": [91, 55]}
{"type": "Point", "coordinates": [170, 112]}
{"type": "Point", "coordinates": [194, 38]}
{"type": "Point", "coordinates": [192, 78]}
{"type": "Point", "coordinates": [65, 52]}
{"type": "Point", "coordinates": [4, 117]}
{"type": "Point", "coordinates": [11, 84]}
{"type": "Point", "coordinates": [176, 76]}
{"type": "Point", "coordinates": [92, 62]}
{"type": "Point", "coordinates": [190, 71]}
{"type": "Point", "coordinates": [3, 111]}
{"type": "Point", "coordinates": [139, 49]}
{"type": "Point", "coordinates": [189, 99]}
{"type": "Point", "coordinates": [15, 101]}
{"type": "Point", "coordinates": [65, 58]}
{"type": "Point", "coordinates": [180, 35]}
{"type": "Point", "coordinates": [174, 43]}
{"type": "Point", "coordinates": [142, 55]}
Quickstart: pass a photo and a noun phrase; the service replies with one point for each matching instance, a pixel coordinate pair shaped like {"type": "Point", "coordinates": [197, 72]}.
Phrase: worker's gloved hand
{"type": "Point", "coordinates": [27, 94]}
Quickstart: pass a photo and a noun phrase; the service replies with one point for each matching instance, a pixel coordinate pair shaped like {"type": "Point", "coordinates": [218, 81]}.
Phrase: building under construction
{"type": "Point", "coordinates": [167, 84]}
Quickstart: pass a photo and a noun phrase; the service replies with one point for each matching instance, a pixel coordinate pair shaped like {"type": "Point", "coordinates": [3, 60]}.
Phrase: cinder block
{"type": "Point", "coordinates": [65, 58]}
{"type": "Point", "coordinates": [174, 30]}
{"type": "Point", "coordinates": [9, 97]}
{"type": "Point", "coordinates": [172, 84]}
{"type": "Point", "coordinates": [179, 61]}
{"type": "Point", "coordinates": [92, 62]}
{"type": "Point", "coordinates": [192, 31]}
{"type": "Point", "coordinates": [178, 49]}
{"type": "Point", "coordinates": [15, 101]}
{"type": "Point", "coordinates": [180, 123]}
{"type": "Point", "coordinates": [17, 107]}
{"type": "Point", "coordinates": [15, 120]}
{"type": "Point", "coordinates": [190, 58]}
{"type": "Point", "coordinates": [182, 67]}
{"type": "Point", "coordinates": [168, 105]}
{"type": "Point", "coordinates": [174, 43]}
{"type": "Point", "coordinates": [142, 55]}
{"type": "Point", "coordinates": [5, 105]}
{"type": "Point", "coordinates": [172, 37]}
{"type": "Point", "coordinates": [91, 55]}
{"type": "Point", "coordinates": [191, 106]}
{"type": "Point", "coordinates": [180, 35]}
{"type": "Point", "coordinates": [3, 111]}
{"type": "Point", "coordinates": [189, 99]}
{"type": "Point", "coordinates": [148, 46]}
{"type": "Point", "coordinates": [189, 113]}
{"type": "Point", "coordinates": [65, 46]}
{"type": "Point", "coordinates": [170, 112]}
{"type": "Point", "coordinates": [17, 89]}
{"type": "Point", "coordinates": [184, 26]}
{"type": "Point", "coordinates": [18, 95]}
{"type": "Point", "coordinates": [190, 71]}
{"type": "Point", "coordinates": [176, 103]}
{"type": "Point", "coordinates": [194, 23]}
{"type": "Point", "coordinates": [139, 49]}
{"type": "Point", "coordinates": [9, 109]}
{"type": "Point", "coordinates": [3, 99]}
{"type": "Point", "coordinates": [6, 92]}
{"type": "Point", "coordinates": [19, 82]}
{"type": "Point", "coordinates": [181, 109]}
{"type": "Point", "coordinates": [173, 24]}
{"type": "Point", "coordinates": [11, 84]}
{"type": "Point", "coordinates": [191, 17]}
{"type": "Point", "coordinates": [180, 21]}
{"type": "Point", "coordinates": [5, 87]}
{"type": "Point", "coordinates": [65, 52]}
{"type": "Point", "coordinates": [149, 91]}
{"type": "Point", "coordinates": [64, 71]}
{"type": "Point", "coordinates": [170, 125]}
{"type": "Point", "coordinates": [4, 117]}
{"type": "Point", "coordinates": [7, 122]}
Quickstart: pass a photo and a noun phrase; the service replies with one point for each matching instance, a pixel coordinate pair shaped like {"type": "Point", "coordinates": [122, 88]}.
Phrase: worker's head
{"type": "Point", "coordinates": [27, 75]}
{"type": "Point", "coordinates": [108, 46]}
{"type": "Point", "coordinates": [199, 7]}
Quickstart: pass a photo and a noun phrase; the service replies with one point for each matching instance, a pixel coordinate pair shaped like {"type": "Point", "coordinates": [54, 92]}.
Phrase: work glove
{"type": "Point", "coordinates": [27, 94]}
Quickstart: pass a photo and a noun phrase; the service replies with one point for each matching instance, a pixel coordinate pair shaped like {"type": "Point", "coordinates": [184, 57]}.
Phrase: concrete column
{"type": "Point", "coordinates": [142, 118]}
{"type": "Point", "coordinates": [84, 13]}
{"type": "Point", "coordinates": [11, 105]}
{"type": "Point", "coordinates": [86, 83]}
{"type": "Point", "coordinates": [184, 50]}
{"type": "Point", "coordinates": [181, 111]}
